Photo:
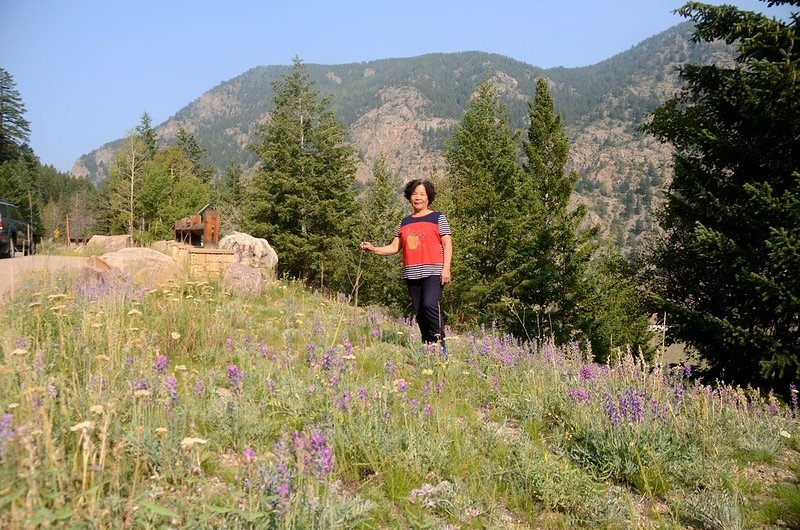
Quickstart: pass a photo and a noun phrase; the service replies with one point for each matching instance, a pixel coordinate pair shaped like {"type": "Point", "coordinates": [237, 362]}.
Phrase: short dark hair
{"type": "Point", "coordinates": [429, 189]}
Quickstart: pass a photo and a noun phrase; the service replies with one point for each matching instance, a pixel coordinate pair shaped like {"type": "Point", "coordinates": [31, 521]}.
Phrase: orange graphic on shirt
{"type": "Point", "coordinates": [412, 241]}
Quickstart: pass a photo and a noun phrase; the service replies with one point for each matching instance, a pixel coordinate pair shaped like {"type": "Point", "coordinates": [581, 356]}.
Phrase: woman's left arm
{"type": "Point", "coordinates": [447, 247]}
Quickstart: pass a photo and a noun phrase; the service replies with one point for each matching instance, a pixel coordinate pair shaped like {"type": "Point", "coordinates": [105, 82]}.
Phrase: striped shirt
{"type": "Point", "coordinates": [421, 243]}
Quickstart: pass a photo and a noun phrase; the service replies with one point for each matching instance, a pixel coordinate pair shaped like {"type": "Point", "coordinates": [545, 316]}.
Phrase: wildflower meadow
{"type": "Point", "coordinates": [190, 407]}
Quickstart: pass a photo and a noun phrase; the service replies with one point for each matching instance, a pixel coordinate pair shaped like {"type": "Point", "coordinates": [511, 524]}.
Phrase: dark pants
{"type": "Point", "coordinates": [425, 294]}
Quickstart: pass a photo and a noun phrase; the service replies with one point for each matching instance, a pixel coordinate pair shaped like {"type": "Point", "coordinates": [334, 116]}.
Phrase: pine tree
{"type": "Point", "coordinates": [229, 197]}
{"type": "Point", "coordinates": [380, 280]}
{"type": "Point", "coordinates": [547, 276]}
{"type": "Point", "coordinates": [726, 270]}
{"type": "Point", "coordinates": [14, 128]}
{"type": "Point", "coordinates": [302, 198]}
{"type": "Point", "coordinates": [483, 170]}
{"type": "Point", "coordinates": [195, 153]}
{"type": "Point", "coordinates": [148, 136]}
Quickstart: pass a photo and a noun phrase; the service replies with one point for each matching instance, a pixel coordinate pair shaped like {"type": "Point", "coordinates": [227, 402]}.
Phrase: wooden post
{"type": "Point", "coordinates": [67, 235]}
{"type": "Point", "coordinates": [211, 229]}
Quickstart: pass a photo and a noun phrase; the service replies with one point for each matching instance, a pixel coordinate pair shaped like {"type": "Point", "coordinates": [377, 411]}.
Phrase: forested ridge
{"type": "Point", "coordinates": [602, 105]}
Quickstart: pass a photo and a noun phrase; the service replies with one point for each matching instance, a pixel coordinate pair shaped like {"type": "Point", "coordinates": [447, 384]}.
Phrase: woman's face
{"type": "Point", "coordinates": [419, 199]}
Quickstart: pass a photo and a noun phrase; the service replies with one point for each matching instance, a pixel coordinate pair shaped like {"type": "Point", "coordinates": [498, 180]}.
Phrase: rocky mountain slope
{"type": "Point", "coordinates": [407, 108]}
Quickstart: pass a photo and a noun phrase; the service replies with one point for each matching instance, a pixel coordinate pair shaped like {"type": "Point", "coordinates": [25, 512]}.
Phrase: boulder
{"type": "Point", "coordinates": [143, 266]}
{"type": "Point", "coordinates": [250, 251]}
{"type": "Point", "coordinates": [110, 243]}
{"type": "Point", "coordinates": [244, 279]}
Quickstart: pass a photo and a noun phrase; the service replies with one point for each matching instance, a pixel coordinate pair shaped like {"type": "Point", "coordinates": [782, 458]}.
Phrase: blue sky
{"type": "Point", "coordinates": [87, 70]}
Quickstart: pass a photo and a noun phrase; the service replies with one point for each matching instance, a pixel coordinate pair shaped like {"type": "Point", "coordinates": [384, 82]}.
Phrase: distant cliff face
{"type": "Point", "coordinates": [407, 108]}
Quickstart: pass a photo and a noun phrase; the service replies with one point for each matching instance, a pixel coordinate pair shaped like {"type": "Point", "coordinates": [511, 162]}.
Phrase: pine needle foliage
{"type": "Point", "coordinates": [725, 270]}
{"type": "Point", "coordinates": [482, 161]}
{"type": "Point", "coordinates": [302, 197]}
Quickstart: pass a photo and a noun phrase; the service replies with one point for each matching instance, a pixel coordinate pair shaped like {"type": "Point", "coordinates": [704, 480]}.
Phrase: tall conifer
{"type": "Point", "coordinates": [547, 276]}
{"type": "Point", "coordinates": [726, 270]}
{"type": "Point", "coordinates": [483, 169]}
{"type": "Point", "coordinates": [302, 198]}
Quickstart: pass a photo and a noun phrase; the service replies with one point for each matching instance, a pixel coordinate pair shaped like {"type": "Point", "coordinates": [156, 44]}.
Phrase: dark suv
{"type": "Point", "coordinates": [15, 231]}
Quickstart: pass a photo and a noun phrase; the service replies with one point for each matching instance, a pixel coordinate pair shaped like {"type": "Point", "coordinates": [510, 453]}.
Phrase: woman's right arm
{"type": "Point", "coordinates": [388, 250]}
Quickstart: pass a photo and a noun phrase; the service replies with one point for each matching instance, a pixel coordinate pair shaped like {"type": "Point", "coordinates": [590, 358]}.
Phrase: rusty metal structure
{"type": "Point", "coordinates": [200, 229]}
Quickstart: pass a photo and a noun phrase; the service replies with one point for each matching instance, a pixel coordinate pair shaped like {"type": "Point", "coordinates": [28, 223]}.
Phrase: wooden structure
{"type": "Point", "coordinates": [200, 229]}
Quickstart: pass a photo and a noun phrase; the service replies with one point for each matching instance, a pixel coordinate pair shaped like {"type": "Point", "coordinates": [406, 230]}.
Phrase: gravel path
{"type": "Point", "coordinates": [15, 271]}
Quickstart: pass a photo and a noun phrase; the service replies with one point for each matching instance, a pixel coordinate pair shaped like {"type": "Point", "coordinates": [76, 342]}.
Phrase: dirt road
{"type": "Point", "coordinates": [15, 271]}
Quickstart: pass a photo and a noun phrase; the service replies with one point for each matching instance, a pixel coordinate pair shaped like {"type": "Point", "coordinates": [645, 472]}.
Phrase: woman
{"type": "Point", "coordinates": [426, 241]}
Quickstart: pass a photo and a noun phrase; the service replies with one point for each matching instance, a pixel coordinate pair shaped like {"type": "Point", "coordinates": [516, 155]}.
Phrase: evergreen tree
{"type": "Point", "coordinates": [230, 192]}
{"type": "Point", "coordinates": [302, 198]}
{"type": "Point", "coordinates": [14, 128]}
{"type": "Point", "coordinates": [726, 269]}
{"type": "Point", "coordinates": [148, 136]}
{"type": "Point", "coordinates": [484, 172]}
{"type": "Point", "coordinates": [380, 281]}
{"type": "Point", "coordinates": [547, 276]}
{"type": "Point", "coordinates": [195, 153]}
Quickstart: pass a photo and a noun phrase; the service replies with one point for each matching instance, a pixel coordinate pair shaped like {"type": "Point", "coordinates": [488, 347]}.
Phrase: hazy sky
{"type": "Point", "coordinates": [87, 70]}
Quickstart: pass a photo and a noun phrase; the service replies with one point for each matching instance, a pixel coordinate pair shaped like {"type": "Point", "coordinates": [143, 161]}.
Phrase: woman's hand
{"type": "Point", "coordinates": [446, 276]}
{"type": "Point", "coordinates": [367, 246]}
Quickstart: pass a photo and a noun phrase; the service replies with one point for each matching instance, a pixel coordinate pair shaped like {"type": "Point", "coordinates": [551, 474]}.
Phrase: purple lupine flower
{"type": "Point", "coordinates": [678, 392]}
{"type": "Point", "coordinates": [687, 370]}
{"type": "Point", "coordinates": [322, 455]}
{"type": "Point", "coordinates": [129, 360]}
{"type": "Point", "coordinates": [263, 350]}
{"type": "Point", "coordinates": [344, 402]}
{"type": "Point", "coordinates": [611, 409]}
{"type": "Point", "coordinates": [311, 357]}
{"type": "Point", "coordinates": [375, 332]}
{"type": "Point", "coordinates": [630, 405]}
{"type": "Point", "coordinates": [426, 389]}
{"type": "Point", "coordinates": [160, 366]}
{"type": "Point", "coordinates": [249, 455]}
{"type": "Point", "coordinates": [579, 394]}
{"type": "Point", "coordinates": [329, 359]}
{"type": "Point", "coordinates": [402, 385]}
{"type": "Point", "coordinates": [199, 387]}
{"type": "Point", "coordinates": [5, 431]}
{"type": "Point", "coordinates": [390, 368]}
{"type": "Point", "coordinates": [52, 391]}
{"type": "Point", "coordinates": [318, 329]}
{"type": "Point", "coordinates": [313, 453]}
{"type": "Point", "coordinates": [362, 395]}
{"type": "Point", "coordinates": [270, 385]}
{"type": "Point", "coordinates": [171, 385]}
{"type": "Point", "coordinates": [387, 416]}
{"type": "Point", "coordinates": [235, 377]}
{"type": "Point", "coordinates": [141, 385]}
{"type": "Point", "coordinates": [586, 373]}
{"type": "Point", "coordinates": [229, 343]}
{"type": "Point", "coordinates": [427, 410]}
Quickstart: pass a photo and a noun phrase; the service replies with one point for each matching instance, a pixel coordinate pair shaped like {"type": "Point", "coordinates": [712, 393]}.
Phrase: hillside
{"type": "Point", "coordinates": [188, 406]}
{"type": "Point", "coordinates": [407, 107]}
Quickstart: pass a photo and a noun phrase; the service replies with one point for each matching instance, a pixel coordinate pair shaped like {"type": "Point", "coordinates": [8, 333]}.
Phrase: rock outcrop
{"type": "Point", "coordinates": [255, 263]}
{"type": "Point", "coordinates": [110, 243]}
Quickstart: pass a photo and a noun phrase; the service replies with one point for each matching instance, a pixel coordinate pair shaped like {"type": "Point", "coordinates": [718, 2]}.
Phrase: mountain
{"type": "Point", "coordinates": [407, 108]}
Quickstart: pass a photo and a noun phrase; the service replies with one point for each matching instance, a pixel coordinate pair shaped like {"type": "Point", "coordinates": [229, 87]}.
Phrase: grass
{"type": "Point", "coordinates": [188, 406]}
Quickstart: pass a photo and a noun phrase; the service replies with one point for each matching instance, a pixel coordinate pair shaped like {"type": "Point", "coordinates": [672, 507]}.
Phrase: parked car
{"type": "Point", "coordinates": [16, 233]}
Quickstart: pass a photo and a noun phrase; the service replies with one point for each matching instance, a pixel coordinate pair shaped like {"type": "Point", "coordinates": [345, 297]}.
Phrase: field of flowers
{"type": "Point", "coordinates": [190, 407]}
